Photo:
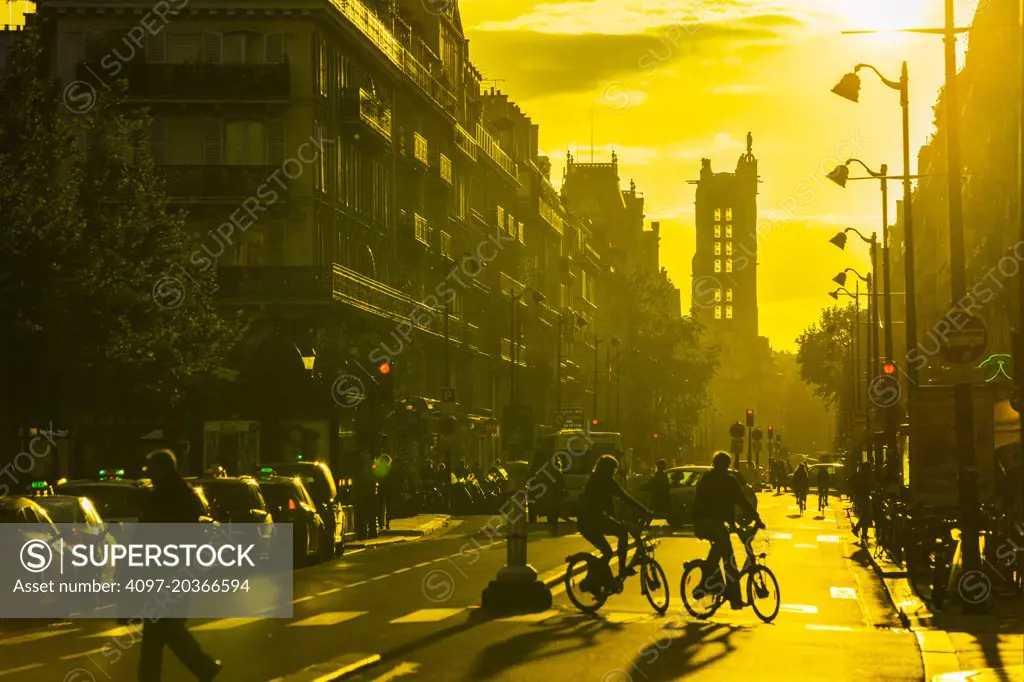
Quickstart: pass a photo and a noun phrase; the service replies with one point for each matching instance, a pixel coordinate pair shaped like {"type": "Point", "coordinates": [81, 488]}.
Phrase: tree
{"type": "Point", "coordinates": [90, 254]}
{"type": "Point", "coordinates": [824, 353]}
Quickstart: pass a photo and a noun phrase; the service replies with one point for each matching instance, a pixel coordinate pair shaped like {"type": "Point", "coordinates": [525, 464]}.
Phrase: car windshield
{"type": "Point", "coordinates": [315, 479]}
{"type": "Point", "coordinates": [685, 479]}
{"type": "Point", "coordinates": [278, 494]}
{"type": "Point", "coordinates": [111, 501]}
{"type": "Point", "coordinates": [61, 510]}
{"type": "Point", "coordinates": [230, 497]}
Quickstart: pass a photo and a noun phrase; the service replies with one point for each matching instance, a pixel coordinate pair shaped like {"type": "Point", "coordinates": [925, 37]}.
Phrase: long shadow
{"type": "Point", "coordinates": [794, 516]}
{"type": "Point", "coordinates": [675, 656]}
{"type": "Point", "coordinates": [543, 641]}
{"type": "Point", "coordinates": [989, 643]}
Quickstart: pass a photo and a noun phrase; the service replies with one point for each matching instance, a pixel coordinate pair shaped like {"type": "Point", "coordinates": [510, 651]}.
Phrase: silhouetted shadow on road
{"type": "Point", "coordinates": [681, 651]}
{"type": "Point", "coordinates": [560, 636]}
{"type": "Point", "coordinates": [794, 516]}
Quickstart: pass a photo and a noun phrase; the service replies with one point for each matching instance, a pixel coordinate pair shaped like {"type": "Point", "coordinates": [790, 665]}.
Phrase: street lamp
{"type": "Point", "coordinates": [855, 344]}
{"type": "Point", "coordinates": [849, 88]}
{"type": "Point", "coordinates": [872, 351]}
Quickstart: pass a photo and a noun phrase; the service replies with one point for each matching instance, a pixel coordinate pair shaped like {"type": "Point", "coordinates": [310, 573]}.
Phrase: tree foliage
{"type": "Point", "coordinates": [96, 310]}
{"type": "Point", "coordinates": [824, 353]}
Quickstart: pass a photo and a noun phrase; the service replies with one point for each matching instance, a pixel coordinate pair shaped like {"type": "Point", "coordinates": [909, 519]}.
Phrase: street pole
{"type": "Point", "coordinates": [618, 391]}
{"type": "Point", "coordinates": [511, 349]}
{"type": "Point", "coordinates": [890, 425]}
{"type": "Point", "coordinates": [876, 350]}
{"type": "Point", "coordinates": [958, 285]}
{"type": "Point", "coordinates": [558, 369]}
{"type": "Point", "coordinates": [856, 341]}
{"type": "Point", "coordinates": [908, 236]}
{"type": "Point", "coordinates": [867, 373]}
{"type": "Point", "coordinates": [1019, 365]}
{"type": "Point", "coordinates": [447, 350]}
{"type": "Point", "coordinates": [607, 392]}
{"type": "Point", "coordinates": [596, 342]}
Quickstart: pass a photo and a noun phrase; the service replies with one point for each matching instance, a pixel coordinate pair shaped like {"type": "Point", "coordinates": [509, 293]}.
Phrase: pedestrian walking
{"type": "Point", "coordinates": [171, 501]}
{"type": "Point", "coordinates": [658, 488]}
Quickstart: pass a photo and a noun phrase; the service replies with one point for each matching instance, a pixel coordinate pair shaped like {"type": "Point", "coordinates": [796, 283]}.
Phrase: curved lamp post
{"type": "Point", "coordinates": [872, 339]}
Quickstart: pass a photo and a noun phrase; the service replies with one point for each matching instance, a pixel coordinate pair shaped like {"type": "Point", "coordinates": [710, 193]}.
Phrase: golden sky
{"type": "Point", "coordinates": [671, 81]}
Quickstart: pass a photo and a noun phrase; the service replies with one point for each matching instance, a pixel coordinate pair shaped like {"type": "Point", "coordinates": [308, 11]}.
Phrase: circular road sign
{"type": "Point", "coordinates": [737, 430]}
{"type": "Point", "coordinates": [966, 345]}
{"type": "Point", "coordinates": [758, 434]}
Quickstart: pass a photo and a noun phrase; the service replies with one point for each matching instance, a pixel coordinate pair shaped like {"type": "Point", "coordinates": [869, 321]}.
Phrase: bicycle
{"type": "Point", "coordinates": [823, 500]}
{"type": "Point", "coordinates": [801, 501]}
{"type": "Point", "coordinates": [703, 600]}
{"type": "Point", "coordinates": [601, 583]}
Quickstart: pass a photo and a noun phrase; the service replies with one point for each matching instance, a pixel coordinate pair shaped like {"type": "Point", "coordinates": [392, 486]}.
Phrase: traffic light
{"type": "Point", "coordinates": [593, 422]}
{"type": "Point", "coordinates": [771, 432]}
{"type": "Point", "coordinates": [889, 368]}
{"type": "Point", "coordinates": [384, 367]}
{"type": "Point", "coordinates": [654, 436]}
{"type": "Point", "coordinates": [750, 417]}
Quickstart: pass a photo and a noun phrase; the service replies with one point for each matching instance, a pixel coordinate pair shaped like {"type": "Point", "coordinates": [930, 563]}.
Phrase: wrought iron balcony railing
{"type": "Point", "coordinates": [259, 284]}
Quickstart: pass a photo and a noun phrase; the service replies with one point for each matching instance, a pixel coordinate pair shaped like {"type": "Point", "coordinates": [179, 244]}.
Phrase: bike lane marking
{"type": "Point", "coordinates": [21, 669]}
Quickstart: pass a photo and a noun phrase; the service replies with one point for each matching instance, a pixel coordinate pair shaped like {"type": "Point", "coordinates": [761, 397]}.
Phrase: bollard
{"type": "Point", "coordinates": [516, 588]}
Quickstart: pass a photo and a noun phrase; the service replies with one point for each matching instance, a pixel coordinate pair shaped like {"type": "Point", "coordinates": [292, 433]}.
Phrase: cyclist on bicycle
{"type": "Point", "coordinates": [714, 514]}
{"type": "Point", "coordinates": [823, 486]}
{"type": "Point", "coordinates": [800, 484]}
{"type": "Point", "coordinates": [596, 512]}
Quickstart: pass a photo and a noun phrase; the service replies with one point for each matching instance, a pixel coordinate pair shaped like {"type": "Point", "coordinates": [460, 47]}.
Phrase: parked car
{"type": "Point", "coordinates": [289, 502]}
{"type": "Point", "coordinates": [319, 483]}
{"type": "Point", "coordinates": [683, 489]}
{"type": "Point", "coordinates": [237, 500]}
{"type": "Point", "coordinates": [837, 476]}
{"type": "Point", "coordinates": [90, 530]}
{"type": "Point", "coordinates": [116, 501]}
{"type": "Point", "coordinates": [37, 526]}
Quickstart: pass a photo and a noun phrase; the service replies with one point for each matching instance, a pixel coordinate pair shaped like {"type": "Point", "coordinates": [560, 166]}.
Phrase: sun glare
{"type": "Point", "coordinates": [884, 15]}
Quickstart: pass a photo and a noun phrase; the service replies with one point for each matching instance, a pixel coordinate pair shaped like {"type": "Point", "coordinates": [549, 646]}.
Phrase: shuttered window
{"type": "Point", "coordinates": [213, 143]}
{"type": "Point", "coordinates": [273, 48]}
{"type": "Point", "coordinates": [213, 48]}
{"type": "Point", "coordinates": [275, 142]}
{"type": "Point", "coordinates": [156, 48]}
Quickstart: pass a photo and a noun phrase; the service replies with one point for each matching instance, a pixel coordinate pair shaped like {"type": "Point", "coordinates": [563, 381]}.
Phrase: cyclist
{"type": "Point", "coordinates": [800, 483]}
{"type": "Point", "coordinates": [596, 513]}
{"type": "Point", "coordinates": [714, 508]}
{"type": "Point", "coordinates": [823, 485]}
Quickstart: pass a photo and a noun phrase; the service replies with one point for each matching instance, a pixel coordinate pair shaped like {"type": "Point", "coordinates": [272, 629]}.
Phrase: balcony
{"type": "Point", "coordinates": [422, 229]}
{"type": "Point", "coordinates": [361, 106]}
{"type": "Point", "coordinates": [465, 142]}
{"type": "Point", "coordinates": [420, 149]}
{"type": "Point", "coordinates": [506, 346]}
{"type": "Point", "coordinates": [445, 169]}
{"type": "Point", "coordinates": [269, 284]}
{"type": "Point", "coordinates": [198, 81]}
{"type": "Point", "coordinates": [376, 31]}
{"type": "Point", "coordinates": [446, 245]}
{"type": "Point", "coordinates": [220, 182]}
{"type": "Point", "coordinates": [494, 151]}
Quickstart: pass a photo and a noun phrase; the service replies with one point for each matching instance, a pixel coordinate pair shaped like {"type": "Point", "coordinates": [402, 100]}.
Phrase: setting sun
{"type": "Point", "coordinates": [885, 15]}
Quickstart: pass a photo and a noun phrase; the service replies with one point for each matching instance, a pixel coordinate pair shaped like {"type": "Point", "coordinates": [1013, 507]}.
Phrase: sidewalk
{"type": "Point", "coordinates": [405, 529]}
{"type": "Point", "coordinates": [954, 645]}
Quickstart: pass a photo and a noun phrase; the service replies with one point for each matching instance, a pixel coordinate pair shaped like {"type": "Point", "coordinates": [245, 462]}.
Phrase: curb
{"type": "Point", "coordinates": [426, 529]}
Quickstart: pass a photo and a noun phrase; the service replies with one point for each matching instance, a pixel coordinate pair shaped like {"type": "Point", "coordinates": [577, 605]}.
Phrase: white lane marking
{"type": "Point", "coordinates": [224, 624]}
{"type": "Point", "coordinates": [379, 577]}
{"type": "Point", "coordinates": [327, 592]}
{"type": "Point", "coordinates": [83, 654]}
{"type": "Point", "coordinates": [619, 617]}
{"type": "Point", "coordinates": [20, 669]}
{"type": "Point", "coordinates": [34, 636]}
{"type": "Point", "coordinates": [400, 670]}
{"type": "Point", "coordinates": [117, 632]}
{"type": "Point", "coordinates": [831, 521]}
{"type": "Point", "coordinates": [402, 570]}
{"type": "Point", "coordinates": [780, 536]}
{"type": "Point", "coordinates": [799, 608]}
{"type": "Point", "coordinates": [530, 617]}
{"type": "Point", "coordinates": [361, 582]}
{"type": "Point", "coordinates": [328, 618]}
{"type": "Point", "coordinates": [423, 563]}
{"type": "Point", "coordinates": [843, 592]}
{"type": "Point", "coordinates": [803, 546]}
{"type": "Point", "coordinates": [828, 538]}
{"type": "Point", "coordinates": [427, 615]}
{"type": "Point", "coordinates": [558, 589]}
{"type": "Point", "coordinates": [300, 600]}
{"type": "Point", "coordinates": [831, 628]}
{"type": "Point", "coordinates": [346, 670]}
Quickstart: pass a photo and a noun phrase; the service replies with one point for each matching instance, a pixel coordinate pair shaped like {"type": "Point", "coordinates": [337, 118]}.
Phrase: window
{"type": "Point", "coordinates": [213, 48]}
{"type": "Point", "coordinates": [718, 265]}
{"type": "Point", "coordinates": [244, 143]}
{"type": "Point", "coordinates": [183, 48]}
{"type": "Point", "coordinates": [728, 214]}
{"type": "Point", "coordinates": [156, 48]}
{"type": "Point", "coordinates": [728, 264]}
{"type": "Point", "coordinates": [728, 312]}
{"type": "Point", "coordinates": [728, 295]}
{"type": "Point", "coordinates": [718, 312]}
{"type": "Point", "coordinates": [718, 231]}
{"type": "Point", "coordinates": [241, 47]}
{"type": "Point", "coordinates": [728, 248]}
{"type": "Point", "coordinates": [213, 143]}
{"type": "Point", "coordinates": [273, 48]}
{"type": "Point", "coordinates": [501, 218]}
{"type": "Point", "coordinates": [446, 244]}
{"type": "Point", "coordinates": [321, 69]}
{"type": "Point", "coordinates": [718, 248]}
{"type": "Point", "coordinates": [718, 214]}
{"type": "Point", "coordinates": [420, 149]}
{"type": "Point", "coordinates": [446, 168]}
{"type": "Point", "coordinates": [718, 295]}
{"type": "Point", "coordinates": [728, 231]}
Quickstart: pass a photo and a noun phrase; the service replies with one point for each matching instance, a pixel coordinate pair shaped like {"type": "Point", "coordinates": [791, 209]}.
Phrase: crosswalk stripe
{"type": "Point", "coordinates": [830, 628]}
{"type": "Point", "coordinates": [780, 536]}
{"type": "Point", "coordinates": [328, 618]}
{"type": "Point", "coordinates": [122, 631]}
{"type": "Point", "coordinates": [799, 608]}
{"type": "Point", "coordinates": [427, 615]}
{"type": "Point", "coordinates": [803, 546]}
{"type": "Point", "coordinates": [620, 617]}
{"type": "Point", "coordinates": [828, 538]}
{"type": "Point", "coordinates": [224, 624]}
{"type": "Point", "coordinates": [20, 669]}
{"type": "Point", "coordinates": [83, 654]}
{"type": "Point", "coordinates": [531, 617]}
{"type": "Point", "coordinates": [327, 592]}
{"type": "Point", "coordinates": [34, 636]}
{"type": "Point", "coordinates": [843, 592]}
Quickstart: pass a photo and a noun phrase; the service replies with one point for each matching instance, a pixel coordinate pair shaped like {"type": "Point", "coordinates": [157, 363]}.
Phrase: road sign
{"type": "Point", "coordinates": [966, 344]}
{"type": "Point", "coordinates": [570, 418]}
{"type": "Point", "coordinates": [737, 430]}
{"type": "Point", "coordinates": [448, 394]}
{"type": "Point", "coordinates": [758, 434]}
{"type": "Point", "coordinates": [736, 447]}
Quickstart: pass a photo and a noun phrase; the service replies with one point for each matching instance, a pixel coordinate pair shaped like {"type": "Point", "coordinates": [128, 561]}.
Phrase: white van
{"type": "Point", "coordinates": [578, 451]}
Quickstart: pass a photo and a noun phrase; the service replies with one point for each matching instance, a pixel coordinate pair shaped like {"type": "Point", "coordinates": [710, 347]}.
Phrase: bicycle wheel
{"type": "Point", "coordinates": [654, 585]}
{"type": "Point", "coordinates": [763, 593]}
{"type": "Point", "coordinates": [586, 568]}
{"type": "Point", "coordinates": [701, 590]}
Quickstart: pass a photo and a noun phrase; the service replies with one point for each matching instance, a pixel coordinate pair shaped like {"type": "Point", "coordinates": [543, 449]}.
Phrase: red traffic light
{"type": "Point", "coordinates": [384, 368]}
{"type": "Point", "coordinates": [654, 436]}
{"type": "Point", "coordinates": [593, 422]}
{"type": "Point", "coordinates": [889, 368]}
